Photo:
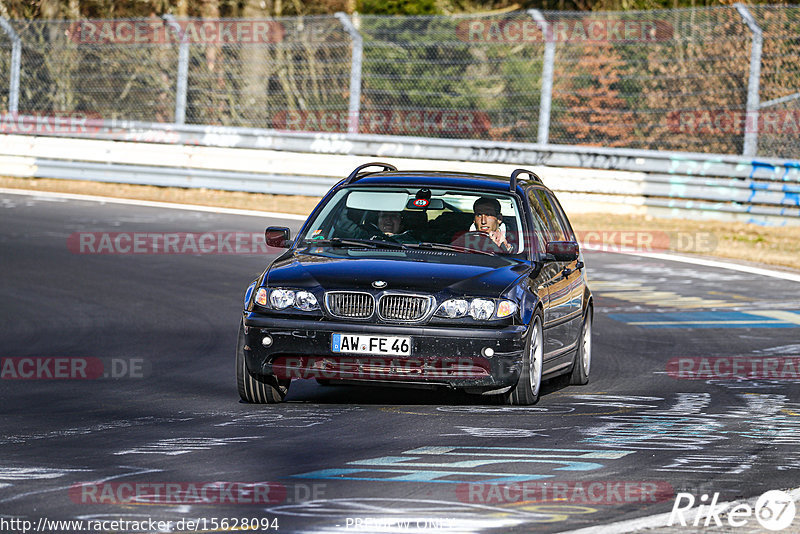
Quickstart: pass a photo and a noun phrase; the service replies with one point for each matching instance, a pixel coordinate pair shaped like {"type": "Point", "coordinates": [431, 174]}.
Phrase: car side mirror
{"type": "Point", "coordinates": [563, 250]}
{"type": "Point", "coordinates": [277, 236]}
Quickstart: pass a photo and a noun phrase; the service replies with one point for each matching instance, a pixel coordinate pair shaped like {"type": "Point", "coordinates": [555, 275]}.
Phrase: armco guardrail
{"type": "Point", "coordinates": [761, 190]}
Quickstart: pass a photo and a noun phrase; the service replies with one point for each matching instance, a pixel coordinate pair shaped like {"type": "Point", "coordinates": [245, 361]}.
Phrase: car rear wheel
{"type": "Point", "coordinates": [258, 390]}
{"type": "Point", "coordinates": [530, 380]}
{"type": "Point", "coordinates": [583, 354]}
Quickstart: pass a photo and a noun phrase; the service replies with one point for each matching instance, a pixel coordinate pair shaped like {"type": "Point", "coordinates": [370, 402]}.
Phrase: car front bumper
{"type": "Point", "coordinates": [484, 360]}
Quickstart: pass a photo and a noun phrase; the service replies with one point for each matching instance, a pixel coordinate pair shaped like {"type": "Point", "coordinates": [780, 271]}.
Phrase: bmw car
{"type": "Point", "coordinates": [421, 279]}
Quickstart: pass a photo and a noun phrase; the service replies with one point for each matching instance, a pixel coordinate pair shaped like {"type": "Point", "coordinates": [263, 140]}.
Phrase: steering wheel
{"type": "Point", "coordinates": [477, 241]}
{"type": "Point", "coordinates": [375, 232]}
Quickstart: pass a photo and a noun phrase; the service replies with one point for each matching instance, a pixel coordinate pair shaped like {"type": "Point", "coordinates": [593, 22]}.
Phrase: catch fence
{"type": "Point", "coordinates": [721, 80]}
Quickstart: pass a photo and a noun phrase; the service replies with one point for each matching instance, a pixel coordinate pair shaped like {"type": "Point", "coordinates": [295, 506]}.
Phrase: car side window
{"type": "Point", "coordinates": [542, 205]}
{"type": "Point", "coordinates": [562, 219]}
{"type": "Point", "coordinates": [539, 234]}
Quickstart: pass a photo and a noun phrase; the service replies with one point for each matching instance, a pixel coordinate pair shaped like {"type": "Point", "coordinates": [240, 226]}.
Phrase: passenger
{"type": "Point", "coordinates": [489, 220]}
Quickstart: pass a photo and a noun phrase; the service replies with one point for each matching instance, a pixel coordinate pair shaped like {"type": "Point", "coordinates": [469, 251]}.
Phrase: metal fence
{"type": "Point", "coordinates": [722, 80]}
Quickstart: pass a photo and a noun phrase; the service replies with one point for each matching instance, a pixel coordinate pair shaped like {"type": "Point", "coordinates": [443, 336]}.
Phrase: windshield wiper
{"type": "Point", "coordinates": [339, 242]}
{"type": "Point", "coordinates": [451, 248]}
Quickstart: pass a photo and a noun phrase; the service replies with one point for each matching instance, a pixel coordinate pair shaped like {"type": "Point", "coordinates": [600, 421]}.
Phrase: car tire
{"type": "Point", "coordinates": [526, 392]}
{"type": "Point", "coordinates": [257, 390]}
{"type": "Point", "coordinates": [583, 354]}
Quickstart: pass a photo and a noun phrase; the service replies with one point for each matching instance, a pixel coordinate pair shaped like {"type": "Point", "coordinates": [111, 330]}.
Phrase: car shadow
{"type": "Point", "coordinates": [308, 390]}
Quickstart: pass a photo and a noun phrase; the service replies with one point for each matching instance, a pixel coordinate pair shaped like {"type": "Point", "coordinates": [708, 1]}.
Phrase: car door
{"type": "Point", "coordinates": [561, 312]}
{"type": "Point", "coordinates": [573, 274]}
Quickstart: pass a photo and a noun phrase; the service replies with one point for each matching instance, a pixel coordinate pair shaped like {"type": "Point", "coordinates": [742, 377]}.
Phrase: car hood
{"type": "Point", "coordinates": [484, 275]}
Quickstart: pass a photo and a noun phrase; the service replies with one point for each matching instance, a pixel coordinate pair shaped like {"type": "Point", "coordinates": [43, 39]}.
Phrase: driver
{"type": "Point", "coordinates": [489, 220]}
{"type": "Point", "coordinates": [390, 222]}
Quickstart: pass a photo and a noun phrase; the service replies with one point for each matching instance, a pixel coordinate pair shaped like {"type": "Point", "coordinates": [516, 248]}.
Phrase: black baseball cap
{"type": "Point", "coordinates": [487, 206]}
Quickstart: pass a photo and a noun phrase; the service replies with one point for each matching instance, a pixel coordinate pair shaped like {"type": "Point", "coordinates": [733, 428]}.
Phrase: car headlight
{"type": "Point", "coordinates": [306, 301]}
{"type": "Point", "coordinates": [479, 308]}
{"type": "Point", "coordinates": [453, 308]}
{"type": "Point", "coordinates": [280, 299]}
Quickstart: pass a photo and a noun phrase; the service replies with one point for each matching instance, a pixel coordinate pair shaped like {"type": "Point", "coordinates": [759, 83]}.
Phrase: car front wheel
{"type": "Point", "coordinates": [258, 390]}
{"type": "Point", "coordinates": [530, 380]}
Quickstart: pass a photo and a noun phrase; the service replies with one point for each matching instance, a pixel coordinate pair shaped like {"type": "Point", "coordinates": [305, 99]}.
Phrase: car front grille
{"type": "Point", "coordinates": [391, 307]}
{"type": "Point", "coordinates": [350, 305]}
{"type": "Point", "coordinates": [404, 307]}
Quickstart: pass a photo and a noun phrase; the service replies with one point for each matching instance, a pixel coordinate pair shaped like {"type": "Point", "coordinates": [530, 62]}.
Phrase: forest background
{"type": "Point", "coordinates": [76, 9]}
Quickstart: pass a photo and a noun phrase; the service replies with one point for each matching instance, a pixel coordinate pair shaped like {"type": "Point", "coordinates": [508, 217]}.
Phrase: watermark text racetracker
{"type": "Point", "coordinates": [54, 122]}
{"type": "Point", "coordinates": [168, 243]}
{"type": "Point", "coordinates": [386, 121]}
{"type": "Point", "coordinates": [194, 493]}
{"type": "Point", "coordinates": [734, 122]}
{"type": "Point", "coordinates": [735, 367]}
{"type": "Point", "coordinates": [592, 492]}
{"type": "Point", "coordinates": [206, 31]}
{"type": "Point", "coordinates": [573, 30]}
{"type": "Point", "coordinates": [72, 368]}
{"type": "Point", "coordinates": [646, 241]}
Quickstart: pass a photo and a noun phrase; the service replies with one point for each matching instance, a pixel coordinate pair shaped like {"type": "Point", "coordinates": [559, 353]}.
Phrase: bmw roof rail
{"type": "Point", "coordinates": [356, 174]}
{"type": "Point", "coordinates": [516, 173]}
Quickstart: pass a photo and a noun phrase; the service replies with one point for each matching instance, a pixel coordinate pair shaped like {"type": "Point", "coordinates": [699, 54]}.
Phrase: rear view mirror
{"type": "Point", "coordinates": [277, 236]}
{"type": "Point", "coordinates": [425, 204]}
{"type": "Point", "coordinates": [563, 250]}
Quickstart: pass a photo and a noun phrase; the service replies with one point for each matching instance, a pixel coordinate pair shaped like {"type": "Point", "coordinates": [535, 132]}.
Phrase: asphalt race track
{"type": "Point", "coordinates": [157, 432]}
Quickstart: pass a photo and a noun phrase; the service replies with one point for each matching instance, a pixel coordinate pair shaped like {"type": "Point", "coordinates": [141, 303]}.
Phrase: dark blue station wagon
{"type": "Point", "coordinates": [421, 279]}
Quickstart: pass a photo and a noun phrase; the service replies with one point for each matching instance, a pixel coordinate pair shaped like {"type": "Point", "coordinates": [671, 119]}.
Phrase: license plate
{"type": "Point", "coordinates": [361, 344]}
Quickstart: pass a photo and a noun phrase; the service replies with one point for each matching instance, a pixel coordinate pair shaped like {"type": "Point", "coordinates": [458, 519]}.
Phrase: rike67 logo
{"type": "Point", "coordinates": [774, 510]}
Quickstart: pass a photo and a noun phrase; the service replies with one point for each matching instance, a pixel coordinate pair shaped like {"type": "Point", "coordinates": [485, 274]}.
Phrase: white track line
{"type": "Point", "coordinates": [153, 204]}
{"type": "Point", "coordinates": [722, 265]}
{"type": "Point", "coordinates": [253, 213]}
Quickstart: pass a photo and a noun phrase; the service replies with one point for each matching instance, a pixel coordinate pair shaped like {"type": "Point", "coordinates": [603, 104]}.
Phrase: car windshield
{"type": "Point", "coordinates": [426, 218]}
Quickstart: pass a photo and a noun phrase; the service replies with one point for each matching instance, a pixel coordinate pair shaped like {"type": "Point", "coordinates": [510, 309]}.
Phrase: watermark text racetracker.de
{"type": "Point", "coordinates": [735, 368]}
{"type": "Point", "coordinates": [423, 122]}
{"type": "Point", "coordinates": [168, 243]}
{"type": "Point", "coordinates": [646, 241]}
{"type": "Point", "coordinates": [734, 122]}
{"type": "Point", "coordinates": [194, 493]}
{"type": "Point", "coordinates": [72, 368]}
{"type": "Point", "coordinates": [53, 122]}
{"type": "Point", "coordinates": [591, 492]}
{"type": "Point", "coordinates": [572, 30]}
{"type": "Point", "coordinates": [206, 31]}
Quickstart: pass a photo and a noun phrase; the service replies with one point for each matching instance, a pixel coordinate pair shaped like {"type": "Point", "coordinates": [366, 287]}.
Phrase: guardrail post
{"type": "Point", "coordinates": [354, 106]}
{"type": "Point", "coordinates": [183, 70]}
{"type": "Point", "coordinates": [751, 124]}
{"type": "Point", "coordinates": [546, 98]}
{"type": "Point", "coordinates": [16, 54]}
